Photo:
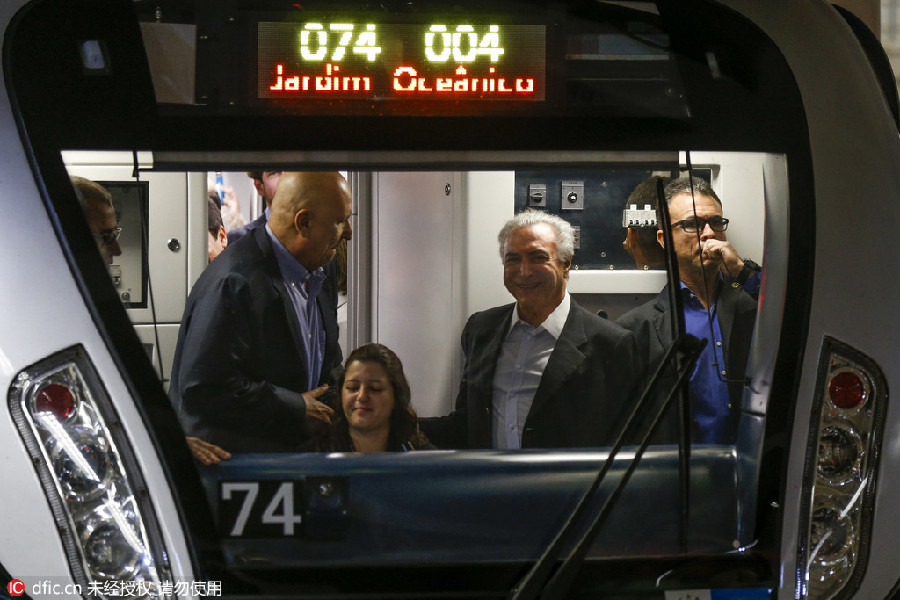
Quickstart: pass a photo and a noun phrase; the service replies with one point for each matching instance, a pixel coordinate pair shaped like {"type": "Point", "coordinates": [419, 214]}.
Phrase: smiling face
{"type": "Point", "coordinates": [532, 271]}
{"type": "Point", "coordinates": [367, 397]}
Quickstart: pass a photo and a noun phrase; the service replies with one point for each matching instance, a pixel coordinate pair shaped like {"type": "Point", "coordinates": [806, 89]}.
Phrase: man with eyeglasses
{"type": "Point", "coordinates": [717, 307]}
{"type": "Point", "coordinates": [98, 209]}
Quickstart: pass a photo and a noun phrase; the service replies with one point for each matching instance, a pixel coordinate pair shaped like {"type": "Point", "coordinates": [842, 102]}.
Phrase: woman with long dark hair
{"type": "Point", "coordinates": [375, 414]}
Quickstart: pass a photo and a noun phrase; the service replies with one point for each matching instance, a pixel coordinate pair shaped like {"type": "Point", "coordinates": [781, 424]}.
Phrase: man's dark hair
{"type": "Point", "coordinates": [213, 214]}
{"type": "Point", "coordinates": [682, 185]}
{"type": "Point", "coordinates": [644, 194]}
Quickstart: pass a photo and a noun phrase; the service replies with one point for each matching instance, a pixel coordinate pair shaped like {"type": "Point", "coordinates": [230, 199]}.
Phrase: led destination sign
{"type": "Point", "coordinates": [373, 61]}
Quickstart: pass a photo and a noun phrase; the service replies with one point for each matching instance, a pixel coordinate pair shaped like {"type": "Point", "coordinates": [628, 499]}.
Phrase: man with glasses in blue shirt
{"type": "Point", "coordinates": [717, 307]}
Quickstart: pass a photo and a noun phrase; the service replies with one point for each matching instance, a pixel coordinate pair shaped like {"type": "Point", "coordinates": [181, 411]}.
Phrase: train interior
{"type": "Point", "coordinates": [414, 227]}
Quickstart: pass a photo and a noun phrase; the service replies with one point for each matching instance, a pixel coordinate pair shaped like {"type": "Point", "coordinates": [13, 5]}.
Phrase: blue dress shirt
{"type": "Point", "coordinates": [303, 287]}
{"type": "Point", "coordinates": [710, 402]}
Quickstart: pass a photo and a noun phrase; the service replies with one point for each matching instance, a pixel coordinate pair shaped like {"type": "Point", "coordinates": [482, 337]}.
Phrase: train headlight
{"type": "Point", "coordinates": [832, 539]}
{"type": "Point", "coordinates": [841, 468]}
{"type": "Point", "coordinates": [840, 453]}
{"type": "Point", "coordinates": [80, 457]}
{"type": "Point", "coordinates": [110, 546]}
{"type": "Point", "coordinates": [89, 473]}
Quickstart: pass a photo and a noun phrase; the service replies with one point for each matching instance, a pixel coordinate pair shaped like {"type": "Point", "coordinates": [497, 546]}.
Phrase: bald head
{"type": "Point", "coordinates": [310, 215]}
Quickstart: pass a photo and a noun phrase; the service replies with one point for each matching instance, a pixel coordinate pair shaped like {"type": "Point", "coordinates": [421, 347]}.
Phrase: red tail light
{"type": "Point", "coordinates": [101, 506]}
{"type": "Point", "coordinates": [56, 399]}
{"type": "Point", "coordinates": [847, 390]}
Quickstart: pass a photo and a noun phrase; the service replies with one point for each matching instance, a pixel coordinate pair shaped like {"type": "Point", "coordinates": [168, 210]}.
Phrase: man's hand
{"type": "Point", "coordinates": [724, 254]}
{"type": "Point", "coordinates": [318, 414]}
{"type": "Point", "coordinates": [231, 210]}
{"type": "Point", "coordinates": [231, 200]}
{"type": "Point", "coordinates": [206, 453]}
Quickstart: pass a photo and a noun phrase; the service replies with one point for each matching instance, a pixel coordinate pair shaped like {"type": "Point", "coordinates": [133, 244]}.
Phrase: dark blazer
{"type": "Point", "coordinates": [238, 369]}
{"type": "Point", "coordinates": [736, 313]}
{"type": "Point", "coordinates": [238, 232]}
{"type": "Point", "coordinates": [584, 392]}
{"type": "Point", "coordinates": [331, 269]}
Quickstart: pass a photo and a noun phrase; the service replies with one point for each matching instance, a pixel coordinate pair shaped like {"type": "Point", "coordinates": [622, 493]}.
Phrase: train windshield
{"type": "Point", "coordinates": [669, 142]}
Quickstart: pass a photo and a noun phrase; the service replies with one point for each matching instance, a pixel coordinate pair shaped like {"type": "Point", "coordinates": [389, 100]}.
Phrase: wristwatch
{"type": "Point", "coordinates": [749, 269]}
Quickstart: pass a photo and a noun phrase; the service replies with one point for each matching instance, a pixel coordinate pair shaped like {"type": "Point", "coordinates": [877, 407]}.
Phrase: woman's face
{"type": "Point", "coordinates": [367, 396]}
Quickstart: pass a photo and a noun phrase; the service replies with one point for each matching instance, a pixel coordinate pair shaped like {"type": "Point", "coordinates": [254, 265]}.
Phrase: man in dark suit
{"type": "Point", "coordinates": [542, 372]}
{"type": "Point", "coordinates": [714, 285]}
{"type": "Point", "coordinates": [265, 182]}
{"type": "Point", "coordinates": [257, 337]}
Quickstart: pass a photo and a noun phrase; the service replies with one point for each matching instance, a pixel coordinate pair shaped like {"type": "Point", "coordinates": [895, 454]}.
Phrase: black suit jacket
{"type": "Point", "coordinates": [651, 324]}
{"type": "Point", "coordinates": [583, 396]}
{"type": "Point", "coordinates": [331, 269]}
{"type": "Point", "coordinates": [239, 369]}
{"type": "Point", "coordinates": [238, 232]}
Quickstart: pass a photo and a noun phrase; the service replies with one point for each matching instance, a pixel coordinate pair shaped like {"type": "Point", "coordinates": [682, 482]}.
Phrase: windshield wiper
{"type": "Point", "coordinates": [687, 349]}
{"type": "Point", "coordinates": [683, 353]}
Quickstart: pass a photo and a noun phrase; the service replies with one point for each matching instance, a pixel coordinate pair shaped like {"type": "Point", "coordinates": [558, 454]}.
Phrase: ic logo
{"type": "Point", "coordinates": [15, 587]}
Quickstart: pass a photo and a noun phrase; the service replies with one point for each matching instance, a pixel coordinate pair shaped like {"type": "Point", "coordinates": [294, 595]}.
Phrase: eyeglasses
{"type": "Point", "coordinates": [110, 236]}
{"type": "Point", "coordinates": [718, 224]}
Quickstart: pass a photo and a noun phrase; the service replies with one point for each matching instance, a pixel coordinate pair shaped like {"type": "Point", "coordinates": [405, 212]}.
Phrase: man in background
{"type": "Point", "coordinates": [640, 228]}
{"type": "Point", "coordinates": [98, 209]}
{"type": "Point", "coordinates": [217, 238]}
{"type": "Point", "coordinates": [716, 307]}
{"type": "Point", "coordinates": [266, 183]}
